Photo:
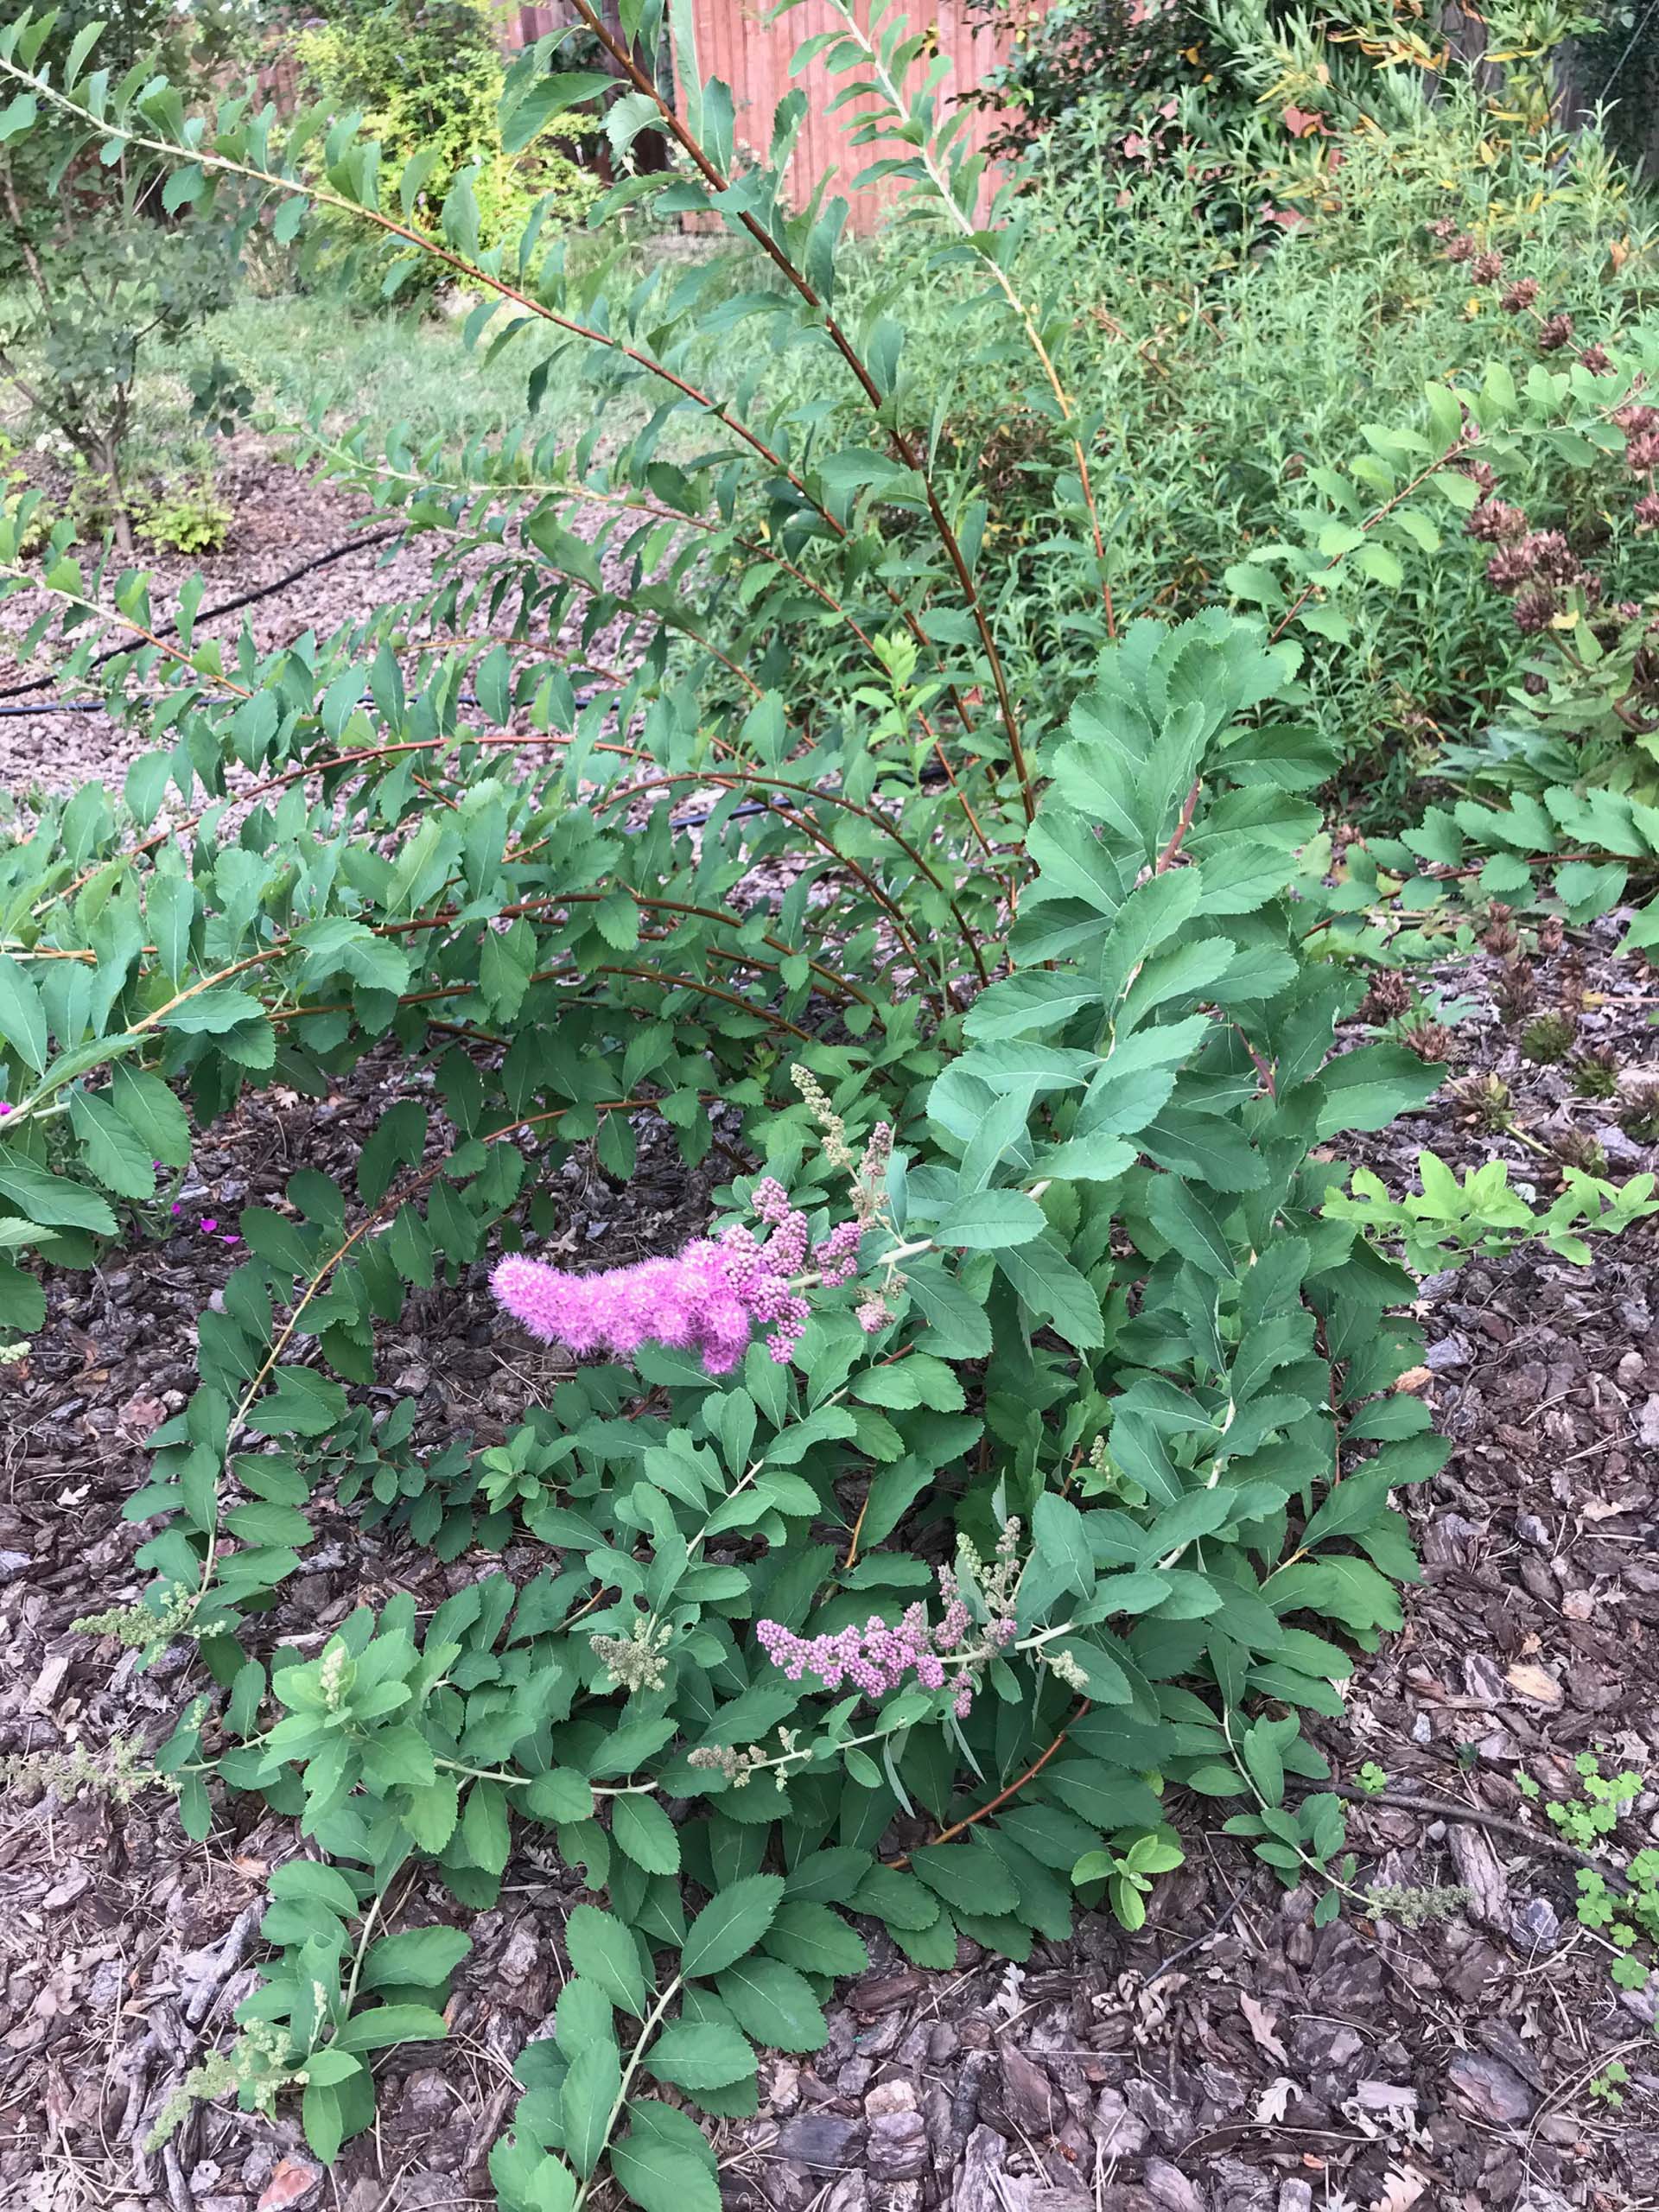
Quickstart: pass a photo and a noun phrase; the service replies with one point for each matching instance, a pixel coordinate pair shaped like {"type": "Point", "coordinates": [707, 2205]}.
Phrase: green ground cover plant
{"type": "Point", "coordinates": [1018, 1447]}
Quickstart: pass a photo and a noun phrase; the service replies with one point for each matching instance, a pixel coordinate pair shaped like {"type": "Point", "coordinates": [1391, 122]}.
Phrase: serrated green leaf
{"type": "Point", "coordinates": [773, 2004]}
{"type": "Point", "coordinates": [730, 1925]}
{"type": "Point", "coordinates": [642, 1829]}
{"type": "Point", "coordinates": [704, 2055]}
{"type": "Point", "coordinates": [601, 1948]}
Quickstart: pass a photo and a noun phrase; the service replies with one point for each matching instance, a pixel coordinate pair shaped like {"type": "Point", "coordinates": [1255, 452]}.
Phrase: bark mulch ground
{"type": "Point", "coordinates": [1229, 2058]}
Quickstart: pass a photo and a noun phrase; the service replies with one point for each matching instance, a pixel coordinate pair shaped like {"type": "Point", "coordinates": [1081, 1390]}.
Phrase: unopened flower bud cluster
{"type": "Point", "coordinates": [638, 1660]}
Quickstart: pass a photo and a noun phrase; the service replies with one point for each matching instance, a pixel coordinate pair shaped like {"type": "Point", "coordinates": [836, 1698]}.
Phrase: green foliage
{"type": "Point", "coordinates": [1621, 1910]}
{"type": "Point", "coordinates": [100, 272]}
{"type": "Point", "coordinates": [188, 516]}
{"type": "Point", "coordinates": [103, 289]}
{"type": "Point", "coordinates": [1253, 418]}
{"type": "Point", "coordinates": [426, 79]}
{"type": "Point", "coordinates": [1440, 1226]}
{"type": "Point", "coordinates": [1042, 1002]}
{"type": "Point", "coordinates": [1609, 2085]}
{"type": "Point", "coordinates": [1601, 1805]}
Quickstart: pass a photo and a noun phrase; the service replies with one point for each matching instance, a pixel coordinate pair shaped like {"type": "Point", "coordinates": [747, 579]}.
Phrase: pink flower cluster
{"type": "Point", "coordinates": [708, 1299]}
{"type": "Point", "coordinates": [877, 1658]}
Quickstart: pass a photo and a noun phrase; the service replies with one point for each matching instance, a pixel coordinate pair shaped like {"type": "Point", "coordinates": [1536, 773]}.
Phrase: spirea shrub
{"type": "Point", "coordinates": [1014, 1454]}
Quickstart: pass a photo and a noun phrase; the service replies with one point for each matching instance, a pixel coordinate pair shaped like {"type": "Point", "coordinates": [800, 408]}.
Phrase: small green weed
{"type": "Point", "coordinates": [187, 515]}
{"type": "Point", "coordinates": [1549, 1039]}
{"type": "Point", "coordinates": [1609, 2085]}
{"type": "Point", "coordinates": [1625, 1918]}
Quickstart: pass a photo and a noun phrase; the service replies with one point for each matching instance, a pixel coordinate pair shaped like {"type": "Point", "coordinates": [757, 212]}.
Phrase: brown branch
{"type": "Point", "coordinates": [903, 445]}
{"type": "Point", "coordinates": [984, 1812]}
{"type": "Point", "coordinates": [1171, 853]}
{"type": "Point", "coordinates": [1452, 1809]}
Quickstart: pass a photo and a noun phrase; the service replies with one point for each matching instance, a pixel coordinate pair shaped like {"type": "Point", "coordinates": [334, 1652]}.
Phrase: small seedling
{"type": "Point", "coordinates": [1609, 2084]}
{"type": "Point", "coordinates": [1626, 1919]}
{"type": "Point", "coordinates": [1596, 1074]}
{"type": "Point", "coordinates": [1584, 1820]}
{"type": "Point", "coordinates": [1549, 1039]}
{"type": "Point", "coordinates": [1372, 1779]}
{"type": "Point", "coordinates": [1488, 1099]}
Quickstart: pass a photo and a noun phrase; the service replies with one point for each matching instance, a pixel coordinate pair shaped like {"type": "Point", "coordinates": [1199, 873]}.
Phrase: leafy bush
{"type": "Point", "coordinates": [187, 515]}
{"type": "Point", "coordinates": [103, 267]}
{"type": "Point", "coordinates": [1011, 1452]}
{"type": "Point", "coordinates": [426, 76]}
{"type": "Point", "coordinates": [1219, 378]}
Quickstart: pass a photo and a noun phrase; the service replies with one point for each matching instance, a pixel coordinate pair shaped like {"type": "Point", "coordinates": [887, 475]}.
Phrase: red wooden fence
{"type": "Point", "coordinates": [736, 44]}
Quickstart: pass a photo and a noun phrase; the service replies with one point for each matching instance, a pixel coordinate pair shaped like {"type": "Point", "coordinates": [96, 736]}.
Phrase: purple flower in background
{"type": "Point", "coordinates": [708, 1299]}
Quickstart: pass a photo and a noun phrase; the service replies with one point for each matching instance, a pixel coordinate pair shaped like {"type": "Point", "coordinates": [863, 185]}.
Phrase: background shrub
{"type": "Point", "coordinates": [426, 76]}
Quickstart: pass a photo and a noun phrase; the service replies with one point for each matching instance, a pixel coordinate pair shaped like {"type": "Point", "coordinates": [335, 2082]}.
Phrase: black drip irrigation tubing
{"type": "Point", "coordinates": [15, 692]}
{"type": "Point", "coordinates": [224, 606]}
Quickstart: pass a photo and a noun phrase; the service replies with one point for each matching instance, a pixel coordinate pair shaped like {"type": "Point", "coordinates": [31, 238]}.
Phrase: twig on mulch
{"type": "Point", "coordinates": [1453, 1808]}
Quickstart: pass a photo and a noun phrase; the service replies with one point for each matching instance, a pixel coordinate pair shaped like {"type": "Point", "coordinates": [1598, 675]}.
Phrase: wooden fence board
{"type": "Point", "coordinates": [735, 44]}
{"type": "Point", "coordinates": [754, 58]}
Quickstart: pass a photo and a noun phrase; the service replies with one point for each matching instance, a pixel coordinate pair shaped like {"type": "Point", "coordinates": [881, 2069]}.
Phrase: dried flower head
{"type": "Point", "coordinates": [1486, 268]}
{"type": "Point", "coordinates": [1552, 558]}
{"type": "Point", "coordinates": [1642, 454]}
{"type": "Point", "coordinates": [1534, 610]}
{"type": "Point", "coordinates": [1597, 360]}
{"type": "Point", "coordinates": [1554, 331]}
{"type": "Point", "coordinates": [1509, 568]}
{"type": "Point", "coordinates": [1389, 997]}
{"type": "Point", "coordinates": [1429, 1039]}
{"type": "Point", "coordinates": [1460, 248]}
{"type": "Point", "coordinates": [1499, 938]}
{"type": "Point", "coordinates": [1495, 520]}
{"type": "Point", "coordinates": [1520, 297]}
{"type": "Point", "coordinates": [1487, 1098]}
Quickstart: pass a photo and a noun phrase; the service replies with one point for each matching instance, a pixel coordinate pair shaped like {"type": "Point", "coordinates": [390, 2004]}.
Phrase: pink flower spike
{"type": "Point", "coordinates": [177, 1208]}
{"type": "Point", "coordinates": [4, 1109]}
{"type": "Point", "coordinates": [709, 1299]}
